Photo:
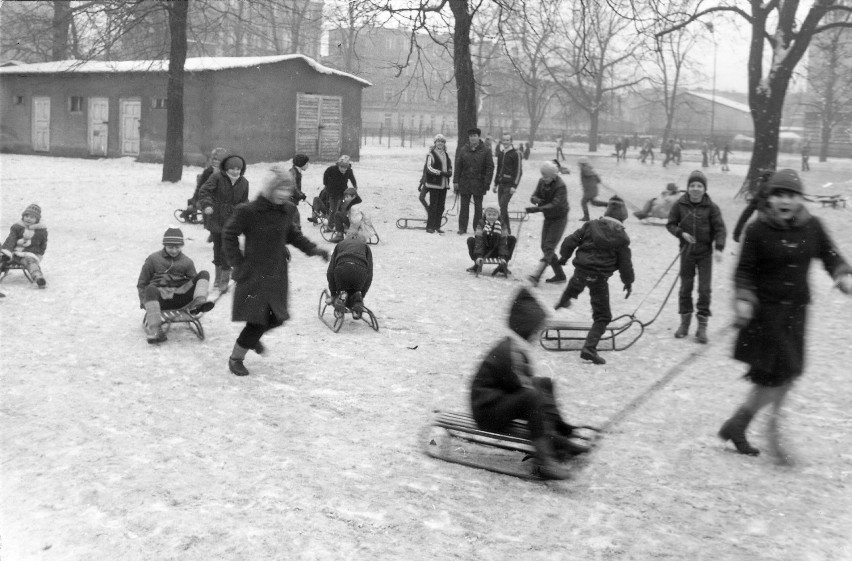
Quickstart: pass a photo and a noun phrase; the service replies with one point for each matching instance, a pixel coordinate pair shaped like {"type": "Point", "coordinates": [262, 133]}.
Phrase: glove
{"type": "Point", "coordinates": [744, 311]}
{"type": "Point", "coordinates": [688, 237]}
{"type": "Point", "coordinates": [420, 187]}
{"type": "Point", "coordinates": [302, 196]}
{"type": "Point", "coordinates": [718, 257]}
{"type": "Point", "coordinates": [479, 261]}
{"type": "Point", "coordinates": [208, 210]}
{"type": "Point", "coordinates": [628, 288]}
{"type": "Point", "coordinates": [322, 253]}
{"type": "Point", "coordinates": [494, 190]}
{"type": "Point", "coordinates": [535, 200]}
{"type": "Point", "coordinates": [532, 209]}
{"type": "Point", "coordinates": [844, 284]}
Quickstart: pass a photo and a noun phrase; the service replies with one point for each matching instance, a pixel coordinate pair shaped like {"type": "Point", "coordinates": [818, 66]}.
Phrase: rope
{"type": "Point", "coordinates": [668, 294]}
{"type": "Point", "coordinates": [625, 199]}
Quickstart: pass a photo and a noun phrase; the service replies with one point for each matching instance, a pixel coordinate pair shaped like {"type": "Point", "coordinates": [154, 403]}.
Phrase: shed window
{"type": "Point", "coordinates": [18, 99]}
{"type": "Point", "coordinates": [389, 93]}
{"type": "Point", "coordinates": [75, 104]}
{"type": "Point", "coordinates": [158, 102]}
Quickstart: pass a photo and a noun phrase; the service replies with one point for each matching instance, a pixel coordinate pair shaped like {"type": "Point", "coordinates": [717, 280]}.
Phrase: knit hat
{"type": "Point", "coordinates": [615, 208]}
{"type": "Point", "coordinates": [34, 210]}
{"type": "Point", "coordinates": [526, 315]}
{"type": "Point", "coordinates": [299, 160]}
{"type": "Point", "coordinates": [232, 162]}
{"type": "Point", "coordinates": [218, 153]}
{"type": "Point", "coordinates": [672, 188]}
{"type": "Point", "coordinates": [173, 236]}
{"type": "Point", "coordinates": [787, 180]}
{"type": "Point", "coordinates": [440, 136]}
{"type": "Point", "coordinates": [697, 175]}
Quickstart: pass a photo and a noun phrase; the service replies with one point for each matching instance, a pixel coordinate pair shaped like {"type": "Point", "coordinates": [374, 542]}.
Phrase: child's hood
{"type": "Point", "coordinates": [608, 233]}
{"type": "Point", "coordinates": [229, 156]}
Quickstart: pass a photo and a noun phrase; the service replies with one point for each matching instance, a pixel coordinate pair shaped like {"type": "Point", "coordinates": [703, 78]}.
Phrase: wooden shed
{"type": "Point", "coordinates": [264, 108]}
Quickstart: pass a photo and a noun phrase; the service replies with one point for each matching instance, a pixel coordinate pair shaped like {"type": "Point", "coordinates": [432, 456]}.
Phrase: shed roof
{"type": "Point", "coordinates": [197, 64]}
{"type": "Point", "coordinates": [722, 101]}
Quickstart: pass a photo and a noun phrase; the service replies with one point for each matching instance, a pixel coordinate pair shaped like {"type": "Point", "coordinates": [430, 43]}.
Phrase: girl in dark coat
{"type": "Point", "coordinates": [772, 296]}
{"type": "Point", "coordinates": [218, 197]}
{"type": "Point", "coordinates": [260, 297]}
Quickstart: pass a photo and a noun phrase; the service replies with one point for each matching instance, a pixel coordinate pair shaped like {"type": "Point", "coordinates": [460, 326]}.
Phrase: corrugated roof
{"type": "Point", "coordinates": [723, 101]}
{"type": "Point", "coordinates": [197, 64]}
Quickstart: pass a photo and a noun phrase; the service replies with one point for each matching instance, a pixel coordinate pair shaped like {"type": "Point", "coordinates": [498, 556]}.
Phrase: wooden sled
{"type": "Point", "coordinates": [367, 316]}
{"type": "Point", "coordinates": [15, 265]}
{"type": "Point", "coordinates": [497, 271]}
{"type": "Point", "coordinates": [181, 315]}
{"type": "Point", "coordinates": [455, 437]}
{"type": "Point", "coordinates": [621, 333]}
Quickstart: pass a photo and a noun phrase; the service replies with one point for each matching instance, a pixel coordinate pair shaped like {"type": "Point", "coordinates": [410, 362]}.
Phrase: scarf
{"type": "Point", "coordinates": [492, 228]}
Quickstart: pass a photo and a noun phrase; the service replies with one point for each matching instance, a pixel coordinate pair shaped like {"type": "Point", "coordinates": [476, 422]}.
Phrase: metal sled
{"type": "Point", "coordinates": [834, 201]}
{"type": "Point", "coordinates": [189, 216]}
{"type": "Point", "coordinates": [182, 315]}
{"type": "Point", "coordinates": [14, 265]}
{"type": "Point", "coordinates": [519, 215]}
{"type": "Point", "coordinates": [417, 223]}
{"type": "Point", "coordinates": [367, 316]}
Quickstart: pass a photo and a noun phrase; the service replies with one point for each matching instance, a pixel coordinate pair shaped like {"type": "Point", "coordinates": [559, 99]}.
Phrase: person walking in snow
{"type": "Point", "coordinates": [218, 198]}
{"type": "Point", "coordinates": [169, 281]}
{"type": "Point", "coordinates": [590, 181]}
{"type": "Point", "coordinates": [213, 163]}
{"type": "Point", "coordinates": [551, 199]}
{"type": "Point", "coordinates": [261, 269]}
{"type": "Point", "coordinates": [26, 244]}
{"type": "Point", "coordinates": [602, 247]}
{"type": "Point", "coordinates": [772, 296]}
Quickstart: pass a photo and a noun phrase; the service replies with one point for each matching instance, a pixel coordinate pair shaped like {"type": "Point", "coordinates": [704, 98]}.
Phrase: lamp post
{"type": "Point", "coordinates": [711, 29]}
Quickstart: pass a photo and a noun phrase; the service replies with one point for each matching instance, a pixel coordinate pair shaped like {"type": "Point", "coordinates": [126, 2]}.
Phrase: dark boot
{"type": "Point", "coordinates": [564, 448]}
{"type": "Point", "coordinates": [154, 323]}
{"type": "Point", "coordinates": [564, 301]}
{"type": "Point", "coordinates": [536, 276]}
{"type": "Point", "coordinates": [548, 468]}
{"type": "Point", "coordinates": [235, 362]}
{"type": "Point", "coordinates": [734, 430]}
{"type": "Point", "coordinates": [701, 334]}
{"type": "Point", "coordinates": [558, 273]}
{"type": "Point", "coordinates": [683, 330]}
{"type": "Point", "coordinates": [592, 355]}
{"type": "Point", "coordinates": [357, 305]}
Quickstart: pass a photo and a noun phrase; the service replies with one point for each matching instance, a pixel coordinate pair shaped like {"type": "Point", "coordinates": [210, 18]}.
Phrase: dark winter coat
{"type": "Point", "coordinates": [489, 243]}
{"type": "Point", "coordinates": [509, 168]}
{"type": "Point", "coordinates": [223, 196]}
{"type": "Point", "coordinates": [702, 219]}
{"type": "Point", "coordinates": [202, 179]}
{"type": "Point", "coordinates": [26, 241]}
{"type": "Point", "coordinates": [551, 198]}
{"type": "Point", "coordinates": [589, 180]}
{"type": "Point", "coordinates": [505, 370]}
{"type": "Point", "coordinates": [351, 251]}
{"type": "Point", "coordinates": [260, 270]}
{"type": "Point", "coordinates": [437, 174]}
{"type": "Point", "coordinates": [336, 182]}
{"type": "Point", "coordinates": [474, 169]}
{"type": "Point", "coordinates": [772, 274]}
{"type": "Point", "coordinates": [171, 275]}
{"type": "Point", "coordinates": [602, 246]}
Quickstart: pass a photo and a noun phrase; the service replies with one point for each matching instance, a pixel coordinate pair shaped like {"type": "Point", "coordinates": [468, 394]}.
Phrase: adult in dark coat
{"type": "Point", "coordinates": [551, 199]}
{"type": "Point", "coordinates": [510, 169]}
{"type": "Point", "coordinates": [473, 172]}
{"type": "Point", "coordinates": [772, 295]}
{"type": "Point", "coordinates": [218, 198]}
{"type": "Point", "coordinates": [260, 297]}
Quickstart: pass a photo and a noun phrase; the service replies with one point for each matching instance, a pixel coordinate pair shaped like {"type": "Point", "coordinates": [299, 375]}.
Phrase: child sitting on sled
{"type": "Point", "coordinates": [603, 247]}
{"type": "Point", "coordinates": [491, 239]}
{"type": "Point", "coordinates": [350, 274]}
{"type": "Point", "coordinates": [353, 220]}
{"type": "Point", "coordinates": [26, 244]}
{"type": "Point", "coordinates": [505, 388]}
{"type": "Point", "coordinates": [168, 281]}
{"type": "Point", "coordinates": [659, 207]}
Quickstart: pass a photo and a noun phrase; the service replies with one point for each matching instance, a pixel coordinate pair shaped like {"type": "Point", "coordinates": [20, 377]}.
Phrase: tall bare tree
{"type": "Point", "coordinates": [173, 156]}
{"type": "Point", "coordinates": [350, 20]}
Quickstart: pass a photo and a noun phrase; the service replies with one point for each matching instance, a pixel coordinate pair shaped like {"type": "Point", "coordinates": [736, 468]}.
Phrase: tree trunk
{"type": "Point", "coordinates": [594, 126]}
{"type": "Point", "coordinates": [766, 116]}
{"type": "Point", "coordinates": [173, 157]}
{"type": "Point", "coordinates": [61, 24]}
{"type": "Point", "coordinates": [463, 68]}
{"type": "Point", "coordinates": [827, 117]}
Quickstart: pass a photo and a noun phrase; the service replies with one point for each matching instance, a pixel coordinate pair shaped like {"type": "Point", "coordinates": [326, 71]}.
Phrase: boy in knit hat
{"type": "Point", "coordinates": [505, 388]}
{"type": "Point", "coordinates": [602, 247]}
{"type": "Point", "coordinates": [491, 240]}
{"type": "Point", "coordinates": [26, 244]}
{"type": "Point", "coordinates": [697, 222]}
{"type": "Point", "coordinates": [168, 281]}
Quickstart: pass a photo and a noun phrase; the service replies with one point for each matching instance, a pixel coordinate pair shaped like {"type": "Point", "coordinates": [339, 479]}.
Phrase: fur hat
{"type": "Point", "coordinates": [173, 236]}
{"type": "Point", "coordinates": [218, 154]}
{"type": "Point", "coordinates": [300, 160]}
{"type": "Point", "coordinates": [615, 208]}
{"type": "Point", "coordinates": [697, 175]}
{"type": "Point", "coordinates": [672, 188]}
{"type": "Point", "coordinates": [34, 210]}
{"type": "Point", "coordinates": [474, 130]}
{"type": "Point", "coordinates": [786, 180]}
{"type": "Point", "coordinates": [440, 136]}
{"type": "Point", "coordinates": [526, 316]}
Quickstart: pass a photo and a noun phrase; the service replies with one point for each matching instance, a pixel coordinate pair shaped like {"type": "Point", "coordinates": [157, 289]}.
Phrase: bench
{"type": "Point", "coordinates": [181, 315]}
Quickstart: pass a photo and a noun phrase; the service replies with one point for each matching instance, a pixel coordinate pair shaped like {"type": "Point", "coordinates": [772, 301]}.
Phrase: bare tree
{"type": "Point", "coordinates": [350, 21]}
{"type": "Point", "coordinates": [173, 156]}
{"type": "Point", "coordinates": [767, 86]}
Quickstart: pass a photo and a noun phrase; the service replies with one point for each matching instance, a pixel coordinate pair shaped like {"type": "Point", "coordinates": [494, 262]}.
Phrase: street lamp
{"type": "Point", "coordinates": [711, 29]}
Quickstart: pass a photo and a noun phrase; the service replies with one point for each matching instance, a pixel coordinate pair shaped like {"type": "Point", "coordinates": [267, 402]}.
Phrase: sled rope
{"type": "Point", "coordinates": [668, 294]}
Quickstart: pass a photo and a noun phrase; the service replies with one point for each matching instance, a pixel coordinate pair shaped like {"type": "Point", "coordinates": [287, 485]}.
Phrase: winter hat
{"type": "Point", "coordinates": [697, 175]}
{"type": "Point", "coordinates": [615, 208]}
{"type": "Point", "coordinates": [218, 154]}
{"type": "Point", "coordinates": [672, 188]}
{"type": "Point", "coordinates": [350, 192]}
{"type": "Point", "coordinates": [786, 180]}
{"type": "Point", "coordinates": [474, 130]}
{"type": "Point", "coordinates": [232, 162]}
{"type": "Point", "coordinates": [300, 160]}
{"type": "Point", "coordinates": [34, 210]}
{"type": "Point", "coordinates": [583, 161]}
{"type": "Point", "coordinates": [173, 236]}
{"type": "Point", "coordinates": [526, 315]}
{"type": "Point", "coordinates": [343, 161]}
{"type": "Point", "coordinates": [440, 136]}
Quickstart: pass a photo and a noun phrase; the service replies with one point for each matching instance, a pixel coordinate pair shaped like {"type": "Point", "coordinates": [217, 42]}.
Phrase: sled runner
{"type": "Point", "coordinates": [834, 201]}
{"type": "Point", "coordinates": [417, 223]}
{"type": "Point", "coordinates": [498, 271]}
{"type": "Point", "coordinates": [181, 315]}
{"type": "Point", "coordinates": [339, 317]}
{"type": "Point", "coordinates": [189, 215]}
{"type": "Point", "coordinates": [518, 215]}
{"type": "Point", "coordinates": [14, 265]}
{"type": "Point", "coordinates": [455, 437]}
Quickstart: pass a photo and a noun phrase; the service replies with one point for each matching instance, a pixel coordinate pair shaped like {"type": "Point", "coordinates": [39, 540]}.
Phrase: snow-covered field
{"type": "Point", "coordinates": [115, 449]}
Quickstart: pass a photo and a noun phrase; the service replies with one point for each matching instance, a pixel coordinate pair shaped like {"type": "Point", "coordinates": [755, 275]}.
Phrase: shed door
{"type": "Point", "coordinates": [319, 121]}
{"type": "Point", "coordinates": [41, 124]}
{"type": "Point", "coordinates": [98, 123]}
{"type": "Point", "coordinates": [130, 111]}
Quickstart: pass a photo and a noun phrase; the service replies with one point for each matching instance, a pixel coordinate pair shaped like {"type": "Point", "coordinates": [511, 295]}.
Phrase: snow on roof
{"type": "Point", "coordinates": [723, 101]}
{"type": "Point", "coordinates": [197, 64]}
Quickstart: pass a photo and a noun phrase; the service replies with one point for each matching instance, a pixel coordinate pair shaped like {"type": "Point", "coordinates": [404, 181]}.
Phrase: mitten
{"type": "Point", "coordinates": [844, 284]}
{"type": "Point", "coordinates": [322, 253]}
{"type": "Point", "coordinates": [628, 288]}
{"type": "Point", "coordinates": [447, 173]}
{"type": "Point", "coordinates": [535, 200]}
{"type": "Point", "coordinates": [532, 209]}
{"type": "Point", "coordinates": [208, 210]}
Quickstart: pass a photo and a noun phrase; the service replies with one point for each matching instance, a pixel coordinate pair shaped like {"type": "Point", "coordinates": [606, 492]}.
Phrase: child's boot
{"type": "Point", "coordinates": [235, 361]}
{"type": "Point", "coordinates": [154, 323]}
{"type": "Point", "coordinates": [734, 430]}
{"type": "Point", "coordinates": [701, 333]}
{"type": "Point", "coordinates": [683, 330]}
{"type": "Point", "coordinates": [199, 304]}
{"type": "Point", "coordinates": [357, 305]}
{"type": "Point", "coordinates": [591, 354]}
{"type": "Point", "coordinates": [547, 466]}
{"type": "Point", "coordinates": [340, 303]}
{"type": "Point", "coordinates": [558, 273]}
{"type": "Point", "coordinates": [224, 280]}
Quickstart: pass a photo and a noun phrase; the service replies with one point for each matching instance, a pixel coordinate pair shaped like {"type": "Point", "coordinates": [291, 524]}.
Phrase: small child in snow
{"type": "Point", "coordinates": [490, 240]}
{"type": "Point", "coordinates": [26, 244]}
{"type": "Point", "coordinates": [168, 281]}
{"type": "Point", "coordinates": [603, 247]}
{"type": "Point", "coordinates": [353, 220]}
{"type": "Point", "coordinates": [350, 274]}
{"type": "Point", "coordinates": [659, 207]}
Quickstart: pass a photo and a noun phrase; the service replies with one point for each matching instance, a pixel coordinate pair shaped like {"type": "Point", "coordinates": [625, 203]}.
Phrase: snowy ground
{"type": "Point", "coordinates": [114, 449]}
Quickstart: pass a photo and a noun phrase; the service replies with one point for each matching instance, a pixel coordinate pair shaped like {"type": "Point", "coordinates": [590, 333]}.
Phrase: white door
{"type": "Point", "coordinates": [98, 125]}
{"type": "Point", "coordinates": [41, 124]}
{"type": "Point", "coordinates": [130, 111]}
{"type": "Point", "coordinates": [318, 125]}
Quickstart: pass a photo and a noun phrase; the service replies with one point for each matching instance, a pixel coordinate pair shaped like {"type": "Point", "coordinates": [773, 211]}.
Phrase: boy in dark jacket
{"type": "Point", "coordinates": [168, 281]}
{"type": "Point", "coordinates": [505, 388]}
{"type": "Point", "coordinates": [602, 247]}
{"type": "Point", "coordinates": [696, 221]}
{"type": "Point", "coordinates": [350, 274]}
{"type": "Point", "coordinates": [26, 244]}
{"type": "Point", "coordinates": [551, 199]}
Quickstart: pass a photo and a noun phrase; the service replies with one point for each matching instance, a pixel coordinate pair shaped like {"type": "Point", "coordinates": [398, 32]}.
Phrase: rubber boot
{"type": "Point", "coordinates": [701, 333]}
{"type": "Point", "coordinates": [592, 355]}
{"type": "Point", "coordinates": [548, 468]}
{"type": "Point", "coordinates": [224, 280]}
{"type": "Point", "coordinates": [558, 273]}
{"type": "Point", "coordinates": [235, 362]}
{"type": "Point", "coordinates": [536, 276]}
{"type": "Point", "coordinates": [683, 330]}
{"type": "Point", "coordinates": [734, 430]}
{"type": "Point", "coordinates": [154, 323]}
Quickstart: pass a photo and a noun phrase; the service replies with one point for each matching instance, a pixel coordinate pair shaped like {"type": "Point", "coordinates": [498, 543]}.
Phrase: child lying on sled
{"type": "Point", "coordinates": [350, 274]}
